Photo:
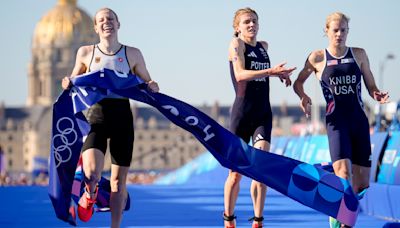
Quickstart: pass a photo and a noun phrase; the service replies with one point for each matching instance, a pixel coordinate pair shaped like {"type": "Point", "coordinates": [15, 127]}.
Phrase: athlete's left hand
{"type": "Point", "coordinates": [66, 82]}
{"type": "Point", "coordinates": [381, 97]}
{"type": "Point", "coordinates": [285, 79]}
{"type": "Point", "coordinates": [153, 86]}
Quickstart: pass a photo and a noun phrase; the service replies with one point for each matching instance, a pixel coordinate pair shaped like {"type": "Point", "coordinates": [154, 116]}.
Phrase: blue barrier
{"type": "Point", "coordinates": [377, 143]}
{"type": "Point", "coordinates": [274, 143]}
{"type": "Point", "coordinates": [290, 146]}
{"type": "Point", "coordinates": [316, 150]}
{"type": "Point", "coordinates": [278, 144]}
{"type": "Point", "coordinates": [389, 170]}
{"type": "Point", "coordinates": [394, 196]}
{"type": "Point", "coordinates": [295, 147]}
{"type": "Point", "coordinates": [382, 201]}
{"type": "Point", "coordinates": [202, 164]}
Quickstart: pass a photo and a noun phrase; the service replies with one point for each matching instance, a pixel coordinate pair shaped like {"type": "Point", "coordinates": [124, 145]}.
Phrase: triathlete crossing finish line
{"type": "Point", "coordinates": [311, 186]}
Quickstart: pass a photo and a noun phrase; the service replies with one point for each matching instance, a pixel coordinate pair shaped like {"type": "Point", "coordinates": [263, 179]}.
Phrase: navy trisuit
{"type": "Point", "coordinates": [346, 122]}
{"type": "Point", "coordinates": [251, 112]}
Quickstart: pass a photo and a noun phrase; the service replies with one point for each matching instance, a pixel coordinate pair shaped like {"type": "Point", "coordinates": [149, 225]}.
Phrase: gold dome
{"type": "Point", "coordinates": [63, 25]}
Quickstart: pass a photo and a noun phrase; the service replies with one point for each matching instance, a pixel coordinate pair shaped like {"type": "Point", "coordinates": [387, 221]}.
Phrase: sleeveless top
{"type": "Point", "coordinates": [117, 61]}
{"type": "Point", "coordinates": [341, 84]}
{"type": "Point", "coordinates": [254, 93]}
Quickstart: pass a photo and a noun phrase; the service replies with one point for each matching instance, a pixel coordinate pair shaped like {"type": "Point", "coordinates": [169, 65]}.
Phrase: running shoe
{"type": "Point", "coordinates": [86, 204]}
{"type": "Point", "coordinates": [229, 219]}
{"type": "Point", "coordinates": [257, 222]}
{"type": "Point", "coordinates": [257, 225]}
{"type": "Point", "coordinates": [333, 223]}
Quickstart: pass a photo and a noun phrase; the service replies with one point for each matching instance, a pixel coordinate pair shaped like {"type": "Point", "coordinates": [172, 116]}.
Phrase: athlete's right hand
{"type": "Point", "coordinates": [306, 105]}
{"type": "Point", "coordinates": [66, 82]}
{"type": "Point", "coordinates": [281, 70]}
{"type": "Point", "coordinates": [381, 97]}
{"type": "Point", "coordinates": [153, 86]}
{"type": "Point", "coordinates": [285, 79]}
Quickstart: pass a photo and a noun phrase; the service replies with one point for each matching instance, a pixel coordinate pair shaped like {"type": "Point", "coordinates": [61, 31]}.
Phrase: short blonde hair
{"type": "Point", "coordinates": [336, 16]}
{"type": "Point", "coordinates": [238, 13]}
{"type": "Point", "coordinates": [104, 9]}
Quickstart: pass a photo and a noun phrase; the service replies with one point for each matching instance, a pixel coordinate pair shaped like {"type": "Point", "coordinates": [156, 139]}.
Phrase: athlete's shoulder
{"type": "Point", "coordinates": [134, 56]}
{"type": "Point", "coordinates": [84, 51]}
{"type": "Point", "coordinates": [264, 44]}
{"type": "Point", "coordinates": [236, 44]}
{"type": "Point", "coordinates": [133, 52]}
{"type": "Point", "coordinates": [316, 56]}
{"type": "Point", "coordinates": [132, 49]}
{"type": "Point", "coordinates": [358, 52]}
{"type": "Point", "coordinates": [360, 55]}
{"type": "Point", "coordinates": [357, 49]}
{"type": "Point", "coordinates": [236, 41]}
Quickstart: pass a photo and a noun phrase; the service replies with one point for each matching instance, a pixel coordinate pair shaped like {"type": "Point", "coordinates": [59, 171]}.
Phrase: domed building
{"type": "Point", "coordinates": [25, 131]}
{"type": "Point", "coordinates": [57, 37]}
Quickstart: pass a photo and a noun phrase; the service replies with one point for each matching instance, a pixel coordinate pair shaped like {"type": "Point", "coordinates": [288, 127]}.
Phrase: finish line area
{"type": "Point", "coordinates": [188, 205]}
{"type": "Point", "coordinates": [292, 174]}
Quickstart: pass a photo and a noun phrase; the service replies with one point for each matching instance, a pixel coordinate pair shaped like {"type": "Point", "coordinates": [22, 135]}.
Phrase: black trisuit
{"type": "Point", "coordinates": [251, 112]}
{"type": "Point", "coordinates": [111, 118]}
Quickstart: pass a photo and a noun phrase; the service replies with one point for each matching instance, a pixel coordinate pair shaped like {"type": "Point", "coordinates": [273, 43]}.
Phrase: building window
{"type": "Point", "coordinates": [10, 138]}
{"type": "Point", "coordinates": [26, 163]}
{"type": "Point", "coordinates": [10, 163]}
{"type": "Point", "coordinates": [10, 150]}
{"type": "Point", "coordinates": [140, 136]}
{"type": "Point", "coordinates": [40, 89]}
{"type": "Point", "coordinates": [43, 54]}
{"type": "Point", "coordinates": [58, 55]}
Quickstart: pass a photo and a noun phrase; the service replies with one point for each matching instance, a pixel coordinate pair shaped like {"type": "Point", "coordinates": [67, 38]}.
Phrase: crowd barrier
{"type": "Point", "coordinates": [381, 200]}
{"type": "Point", "coordinates": [383, 197]}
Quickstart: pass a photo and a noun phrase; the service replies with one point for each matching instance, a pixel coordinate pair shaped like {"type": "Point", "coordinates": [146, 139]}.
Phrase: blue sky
{"type": "Point", "coordinates": [185, 43]}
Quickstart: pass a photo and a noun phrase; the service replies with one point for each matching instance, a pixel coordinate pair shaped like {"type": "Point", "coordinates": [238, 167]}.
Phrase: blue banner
{"type": "Point", "coordinates": [300, 181]}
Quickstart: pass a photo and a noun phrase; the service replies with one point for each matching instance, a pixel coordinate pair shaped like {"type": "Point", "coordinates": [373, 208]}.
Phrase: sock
{"type": "Point", "coordinates": [90, 195]}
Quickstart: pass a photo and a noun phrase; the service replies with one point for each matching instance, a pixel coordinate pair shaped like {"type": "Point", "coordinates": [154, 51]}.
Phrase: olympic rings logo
{"type": "Point", "coordinates": [66, 138]}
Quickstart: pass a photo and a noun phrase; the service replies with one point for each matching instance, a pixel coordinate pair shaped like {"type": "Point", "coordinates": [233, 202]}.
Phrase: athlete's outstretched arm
{"type": "Point", "coordinates": [236, 55]}
{"type": "Point", "coordinates": [138, 65]}
{"type": "Point", "coordinates": [298, 85]}
{"type": "Point", "coordinates": [374, 92]}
